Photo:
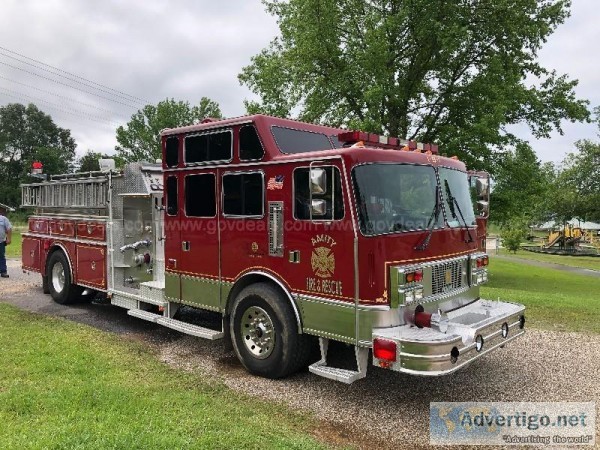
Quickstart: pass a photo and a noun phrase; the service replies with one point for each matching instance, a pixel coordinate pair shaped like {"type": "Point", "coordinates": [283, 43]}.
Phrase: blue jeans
{"type": "Point", "coordinates": [2, 257]}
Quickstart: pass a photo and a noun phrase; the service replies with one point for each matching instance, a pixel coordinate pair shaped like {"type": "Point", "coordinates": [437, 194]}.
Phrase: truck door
{"type": "Point", "coordinates": [199, 240]}
{"type": "Point", "coordinates": [320, 248]}
{"type": "Point", "coordinates": [172, 235]}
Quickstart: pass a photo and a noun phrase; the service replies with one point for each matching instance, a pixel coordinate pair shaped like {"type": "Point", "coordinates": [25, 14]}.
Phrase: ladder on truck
{"type": "Point", "coordinates": [79, 190]}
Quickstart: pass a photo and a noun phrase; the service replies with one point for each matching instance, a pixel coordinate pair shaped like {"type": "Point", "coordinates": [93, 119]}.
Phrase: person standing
{"type": "Point", "coordinates": [5, 237]}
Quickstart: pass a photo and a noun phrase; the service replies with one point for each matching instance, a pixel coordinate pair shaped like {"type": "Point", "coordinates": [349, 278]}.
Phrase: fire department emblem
{"type": "Point", "coordinates": [323, 258]}
{"type": "Point", "coordinates": [323, 262]}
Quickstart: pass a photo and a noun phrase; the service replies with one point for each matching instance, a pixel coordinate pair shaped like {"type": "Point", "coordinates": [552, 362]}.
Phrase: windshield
{"type": "Point", "coordinates": [457, 198]}
{"type": "Point", "coordinates": [395, 197]}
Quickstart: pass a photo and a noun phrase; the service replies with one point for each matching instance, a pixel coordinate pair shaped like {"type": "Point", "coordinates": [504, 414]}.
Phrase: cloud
{"type": "Point", "coordinates": [186, 50]}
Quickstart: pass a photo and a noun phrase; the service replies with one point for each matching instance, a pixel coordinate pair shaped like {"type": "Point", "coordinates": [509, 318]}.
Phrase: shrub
{"type": "Point", "coordinates": [512, 235]}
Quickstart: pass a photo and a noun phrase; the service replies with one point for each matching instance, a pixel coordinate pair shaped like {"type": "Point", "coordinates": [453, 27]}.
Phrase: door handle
{"type": "Point", "coordinates": [185, 246]}
{"type": "Point", "coordinates": [294, 256]}
{"type": "Point", "coordinates": [172, 263]}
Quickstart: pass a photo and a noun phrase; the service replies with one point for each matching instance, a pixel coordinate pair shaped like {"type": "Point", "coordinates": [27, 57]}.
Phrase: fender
{"type": "Point", "coordinates": [53, 247]}
{"type": "Point", "coordinates": [280, 284]}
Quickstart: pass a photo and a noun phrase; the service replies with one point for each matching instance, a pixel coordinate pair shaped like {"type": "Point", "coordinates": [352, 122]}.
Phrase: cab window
{"type": "Point", "coordinates": [318, 194]}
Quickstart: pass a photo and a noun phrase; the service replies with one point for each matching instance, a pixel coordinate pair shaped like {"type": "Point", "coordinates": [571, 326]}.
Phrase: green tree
{"type": "Point", "coordinates": [581, 178]}
{"type": "Point", "coordinates": [521, 186]}
{"type": "Point", "coordinates": [456, 73]}
{"type": "Point", "coordinates": [575, 191]}
{"type": "Point", "coordinates": [26, 135]}
{"type": "Point", "coordinates": [90, 161]}
{"type": "Point", "coordinates": [139, 140]}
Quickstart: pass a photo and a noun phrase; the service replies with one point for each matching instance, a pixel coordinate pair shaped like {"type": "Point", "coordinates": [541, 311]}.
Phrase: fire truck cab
{"type": "Point", "coordinates": [291, 233]}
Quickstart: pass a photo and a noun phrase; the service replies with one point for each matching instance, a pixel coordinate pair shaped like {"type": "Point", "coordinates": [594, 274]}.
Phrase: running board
{"type": "Point", "coordinates": [344, 375]}
{"type": "Point", "coordinates": [184, 327]}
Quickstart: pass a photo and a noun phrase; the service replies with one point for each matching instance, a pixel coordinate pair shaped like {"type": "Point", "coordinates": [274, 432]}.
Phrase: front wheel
{"type": "Point", "coordinates": [264, 333]}
{"type": "Point", "coordinates": [59, 280]}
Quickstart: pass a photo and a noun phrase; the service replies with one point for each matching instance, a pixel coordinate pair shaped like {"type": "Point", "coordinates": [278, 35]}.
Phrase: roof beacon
{"type": "Point", "coordinates": [349, 138]}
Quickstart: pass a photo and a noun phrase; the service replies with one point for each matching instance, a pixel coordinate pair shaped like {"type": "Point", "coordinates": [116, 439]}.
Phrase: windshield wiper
{"type": "Point", "coordinates": [432, 221]}
{"type": "Point", "coordinates": [454, 203]}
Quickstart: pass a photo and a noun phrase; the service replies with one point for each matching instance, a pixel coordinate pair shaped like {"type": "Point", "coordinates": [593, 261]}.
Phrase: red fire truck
{"type": "Point", "coordinates": [291, 233]}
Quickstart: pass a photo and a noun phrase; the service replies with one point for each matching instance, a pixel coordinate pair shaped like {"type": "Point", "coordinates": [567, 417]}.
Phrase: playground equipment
{"type": "Point", "coordinates": [565, 239]}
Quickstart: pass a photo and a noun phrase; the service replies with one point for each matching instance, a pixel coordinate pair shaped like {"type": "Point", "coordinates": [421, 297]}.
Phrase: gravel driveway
{"type": "Point", "coordinates": [385, 410]}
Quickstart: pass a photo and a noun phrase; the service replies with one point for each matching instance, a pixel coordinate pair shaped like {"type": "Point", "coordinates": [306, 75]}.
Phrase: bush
{"type": "Point", "coordinates": [512, 235]}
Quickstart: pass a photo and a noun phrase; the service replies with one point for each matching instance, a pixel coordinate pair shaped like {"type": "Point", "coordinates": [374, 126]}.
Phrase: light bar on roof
{"type": "Point", "coordinates": [376, 140]}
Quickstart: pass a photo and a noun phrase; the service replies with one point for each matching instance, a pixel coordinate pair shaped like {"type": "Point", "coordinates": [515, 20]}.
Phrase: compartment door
{"type": "Point", "coordinates": [31, 257]}
{"type": "Point", "coordinates": [91, 266]}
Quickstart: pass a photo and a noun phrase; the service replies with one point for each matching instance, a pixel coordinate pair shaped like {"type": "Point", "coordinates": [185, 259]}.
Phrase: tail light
{"type": "Point", "coordinates": [384, 349]}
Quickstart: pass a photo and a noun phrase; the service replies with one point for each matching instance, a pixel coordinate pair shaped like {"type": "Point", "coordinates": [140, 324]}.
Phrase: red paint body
{"type": "Point", "coordinates": [76, 239]}
{"type": "Point", "coordinates": [238, 236]}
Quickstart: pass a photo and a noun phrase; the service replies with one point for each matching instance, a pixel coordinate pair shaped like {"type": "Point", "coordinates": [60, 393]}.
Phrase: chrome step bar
{"type": "Point", "coordinates": [184, 327]}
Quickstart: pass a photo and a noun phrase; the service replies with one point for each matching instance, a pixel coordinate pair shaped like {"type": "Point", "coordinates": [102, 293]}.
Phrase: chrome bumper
{"type": "Point", "coordinates": [425, 351]}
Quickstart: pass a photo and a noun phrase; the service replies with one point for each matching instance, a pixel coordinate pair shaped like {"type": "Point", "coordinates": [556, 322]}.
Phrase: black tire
{"type": "Point", "coordinates": [45, 287]}
{"type": "Point", "coordinates": [69, 293]}
{"type": "Point", "coordinates": [254, 309]}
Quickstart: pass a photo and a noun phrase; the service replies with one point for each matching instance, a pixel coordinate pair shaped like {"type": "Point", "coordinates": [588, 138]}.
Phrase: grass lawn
{"type": "Point", "coordinates": [14, 249]}
{"type": "Point", "coordinates": [555, 300]}
{"type": "Point", "coordinates": [586, 262]}
{"type": "Point", "coordinates": [65, 385]}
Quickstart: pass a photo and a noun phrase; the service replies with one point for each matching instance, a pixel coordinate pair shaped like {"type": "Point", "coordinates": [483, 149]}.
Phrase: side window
{"type": "Point", "coordinates": [243, 194]}
{"type": "Point", "coordinates": [200, 148]}
{"type": "Point", "coordinates": [200, 198]}
{"type": "Point", "coordinates": [172, 151]}
{"type": "Point", "coordinates": [326, 201]}
{"type": "Point", "coordinates": [290, 140]}
{"type": "Point", "coordinates": [250, 145]}
{"type": "Point", "coordinates": [172, 205]}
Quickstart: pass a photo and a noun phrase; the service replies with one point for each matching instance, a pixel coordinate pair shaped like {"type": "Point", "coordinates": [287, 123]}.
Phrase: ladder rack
{"type": "Point", "coordinates": [70, 192]}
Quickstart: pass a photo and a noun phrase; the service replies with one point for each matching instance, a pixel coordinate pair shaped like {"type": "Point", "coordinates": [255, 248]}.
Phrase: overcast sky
{"type": "Point", "coordinates": [156, 49]}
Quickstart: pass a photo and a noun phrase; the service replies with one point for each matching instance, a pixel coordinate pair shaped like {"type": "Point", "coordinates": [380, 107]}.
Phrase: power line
{"type": "Point", "coordinates": [70, 74]}
{"type": "Point", "coordinates": [122, 97]}
{"type": "Point", "coordinates": [59, 96]}
{"type": "Point", "coordinates": [78, 114]}
{"type": "Point", "coordinates": [67, 85]}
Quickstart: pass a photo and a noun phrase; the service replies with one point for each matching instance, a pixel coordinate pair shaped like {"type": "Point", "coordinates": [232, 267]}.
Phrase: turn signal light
{"type": "Point", "coordinates": [384, 349]}
{"type": "Point", "coordinates": [483, 262]}
{"type": "Point", "coordinates": [414, 276]}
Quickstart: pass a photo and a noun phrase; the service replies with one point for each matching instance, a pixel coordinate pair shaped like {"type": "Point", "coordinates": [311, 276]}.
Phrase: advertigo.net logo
{"type": "Point", "coordinates": [548, 424]}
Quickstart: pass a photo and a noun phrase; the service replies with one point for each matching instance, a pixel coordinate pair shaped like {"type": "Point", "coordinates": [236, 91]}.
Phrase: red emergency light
{"type": "Point", "coordinates": [37, 167]}
{"type": "Point", "coordinates": [376, 140]}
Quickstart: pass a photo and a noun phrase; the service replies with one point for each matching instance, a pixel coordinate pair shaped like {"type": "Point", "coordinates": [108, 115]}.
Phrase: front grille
{"type": "Point", "coordinates": [446, 276]}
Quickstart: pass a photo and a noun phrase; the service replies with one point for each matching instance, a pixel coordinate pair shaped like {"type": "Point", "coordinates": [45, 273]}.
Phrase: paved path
{"type": "Point", "coordinates": [561, 267]}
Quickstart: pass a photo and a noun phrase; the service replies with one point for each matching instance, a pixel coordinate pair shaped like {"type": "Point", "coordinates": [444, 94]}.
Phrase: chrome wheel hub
{"type": "Point", "coordinates": [58, 278]}
{"type": "Point", "coordinates": [256, 329]}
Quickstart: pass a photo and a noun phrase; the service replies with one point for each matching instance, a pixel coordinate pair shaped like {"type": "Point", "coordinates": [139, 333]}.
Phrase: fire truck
{"type": "Point", "coordinates": [294, 235]}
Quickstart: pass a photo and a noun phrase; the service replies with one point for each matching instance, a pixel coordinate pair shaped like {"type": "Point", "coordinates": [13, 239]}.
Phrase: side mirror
{"type": "Point", "coordinates": [483, 208]}
{"type": "Point", "coordinates": [318, 208]}
{"type": "Point", "coordinates": [318, 181]}
{"type": "Point", "coordinates": [479, 183]}
{"type": "Point", "coordinates": [483, 188]}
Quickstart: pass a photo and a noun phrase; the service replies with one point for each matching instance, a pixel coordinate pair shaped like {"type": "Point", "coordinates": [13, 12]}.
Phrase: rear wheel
{"type": "Point", "coordinates": [59, 280]}
{"type": "Point", "coordinates": [264, 333]}
{"type": "Point", "coordinates": [45, 286]}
